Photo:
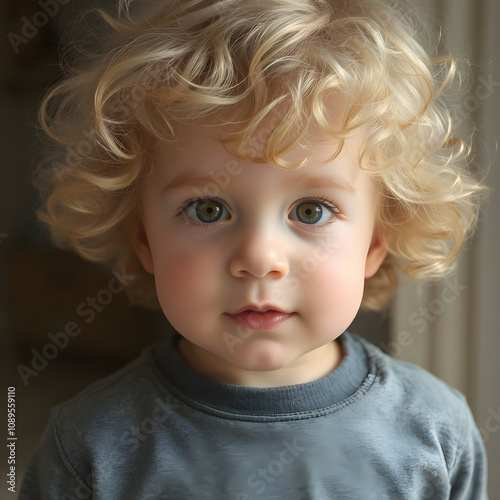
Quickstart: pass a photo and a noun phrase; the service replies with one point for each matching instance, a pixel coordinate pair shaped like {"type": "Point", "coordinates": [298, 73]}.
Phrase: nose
{"type": "Point", "coordinates": [260, 253]}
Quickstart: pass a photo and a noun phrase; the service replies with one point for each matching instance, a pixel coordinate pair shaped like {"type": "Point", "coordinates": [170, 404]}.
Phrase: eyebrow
{"type": "Point", "coordinates": [332, 181]}
{"type": "Point", "coordinates": [187, 180]}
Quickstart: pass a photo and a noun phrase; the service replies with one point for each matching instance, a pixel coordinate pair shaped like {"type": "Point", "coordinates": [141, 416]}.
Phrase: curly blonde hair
{"type": "Point", "coordinates": [183, 60]}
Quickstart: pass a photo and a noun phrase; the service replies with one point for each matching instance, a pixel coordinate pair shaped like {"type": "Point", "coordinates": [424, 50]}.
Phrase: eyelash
{"type": "Point", "coordinates": [331, 207]}
{"type": "Point", "coordinates": [319, 199]}
{"type": "Point", "coordinates": [323, 201]}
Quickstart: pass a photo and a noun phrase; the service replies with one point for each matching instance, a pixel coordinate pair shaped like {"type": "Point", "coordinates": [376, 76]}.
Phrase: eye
{"type": "Point", "coordinates": [314, 212]}
{"type": "Point", "coordinates": [204, 210]}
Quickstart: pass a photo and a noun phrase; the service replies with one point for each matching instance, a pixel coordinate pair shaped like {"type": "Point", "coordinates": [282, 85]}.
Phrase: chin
{"type": "Point", "coordinates": [261, 359]}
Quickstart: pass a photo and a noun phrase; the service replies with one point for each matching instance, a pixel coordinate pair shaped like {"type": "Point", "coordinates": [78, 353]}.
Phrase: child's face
{"type": "Point", "coordinates": [223, 235]}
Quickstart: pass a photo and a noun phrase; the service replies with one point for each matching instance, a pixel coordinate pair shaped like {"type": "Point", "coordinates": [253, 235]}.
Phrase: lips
{"type": "Point", "coordinates": [266, 317]}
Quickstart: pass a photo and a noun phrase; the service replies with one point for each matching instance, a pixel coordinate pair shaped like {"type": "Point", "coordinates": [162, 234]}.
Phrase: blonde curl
{"type": "Point", "coordinates": [182, 61]}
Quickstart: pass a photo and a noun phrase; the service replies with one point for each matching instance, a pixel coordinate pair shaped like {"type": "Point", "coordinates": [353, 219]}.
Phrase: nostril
{"type": "Point", "coordinates": [276, 274]}
{"type": "Point", "coordinates": [259, 258]}
{"type": "Point", "coordinates": [259, 271]}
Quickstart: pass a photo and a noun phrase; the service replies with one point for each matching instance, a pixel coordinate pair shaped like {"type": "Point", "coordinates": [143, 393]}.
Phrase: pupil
{"type": "Point", "coordinates": [309, 213]}
{"type": "Point", "coordinates": [209, 211]}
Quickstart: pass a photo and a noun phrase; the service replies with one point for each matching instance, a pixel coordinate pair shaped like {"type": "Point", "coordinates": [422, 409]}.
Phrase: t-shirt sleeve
{"type": "Point", "coordinates": [468, 474]}
{"type": "Point", "coordinates": [50, 475]}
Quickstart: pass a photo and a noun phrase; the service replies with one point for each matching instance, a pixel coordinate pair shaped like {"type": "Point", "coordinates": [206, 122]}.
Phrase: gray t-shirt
{"type": "Point", "coordinates": [376, 428]}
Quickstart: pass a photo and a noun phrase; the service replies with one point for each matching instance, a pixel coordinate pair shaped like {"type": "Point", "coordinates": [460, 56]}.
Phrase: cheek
{"type": "Point", "coordinates": [335, 290]}
{"type": "Point", "coordinates": [184, 280]}
{"type": "Point", "coordinates": [185, 275]}
{"type": "Point", "coordinates": [339, 284]}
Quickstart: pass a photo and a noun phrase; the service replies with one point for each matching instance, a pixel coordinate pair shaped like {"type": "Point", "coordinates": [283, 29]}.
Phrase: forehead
{"type": "Point", "coordinates": [197, 151]}
{"type": "Point", "coordinates": [249, 132]}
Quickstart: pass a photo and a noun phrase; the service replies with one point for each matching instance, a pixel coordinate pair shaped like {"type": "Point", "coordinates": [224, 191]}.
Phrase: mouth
{"type": "Point", "coordinates": [259, 309]}
{"type": "Point", "coordinates": [265, 317]}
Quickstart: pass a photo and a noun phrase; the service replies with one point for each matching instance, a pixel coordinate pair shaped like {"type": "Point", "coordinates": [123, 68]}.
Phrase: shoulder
{"type": "Point", "coordinates": [401, 379]}
{"type": "Point", "coordinates": [423, 403]}
{"type": "Point", "coordinates": [93, 423]}
{"type": "Point", "coordinates": [112, 393]}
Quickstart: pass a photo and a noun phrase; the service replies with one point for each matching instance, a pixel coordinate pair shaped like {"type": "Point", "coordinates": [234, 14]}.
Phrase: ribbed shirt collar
{"type": "Point", "coordinates": [207, 394]}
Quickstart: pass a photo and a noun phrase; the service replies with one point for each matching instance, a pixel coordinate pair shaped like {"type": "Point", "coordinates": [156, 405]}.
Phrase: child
{"type": "Point", "coordinates": [261, 168]}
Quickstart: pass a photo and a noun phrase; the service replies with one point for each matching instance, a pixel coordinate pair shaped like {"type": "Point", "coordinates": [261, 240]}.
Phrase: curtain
{"type": "Point", "coordinates": [451, 328]}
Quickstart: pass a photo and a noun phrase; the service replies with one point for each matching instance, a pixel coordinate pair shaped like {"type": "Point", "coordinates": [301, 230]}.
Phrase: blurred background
{"type": "Point", "coordinates": [449, 328]}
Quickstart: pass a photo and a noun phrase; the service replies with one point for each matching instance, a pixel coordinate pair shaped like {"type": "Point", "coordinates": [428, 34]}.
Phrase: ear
{"type": "Point", "coordinates": [141, 247]}
{"type": "Point", "coordinates": [375, 257]}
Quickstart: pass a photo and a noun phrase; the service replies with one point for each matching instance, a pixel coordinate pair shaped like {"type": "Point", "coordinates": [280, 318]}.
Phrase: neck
{"type": "Point", "coordinates": [312, 366]}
